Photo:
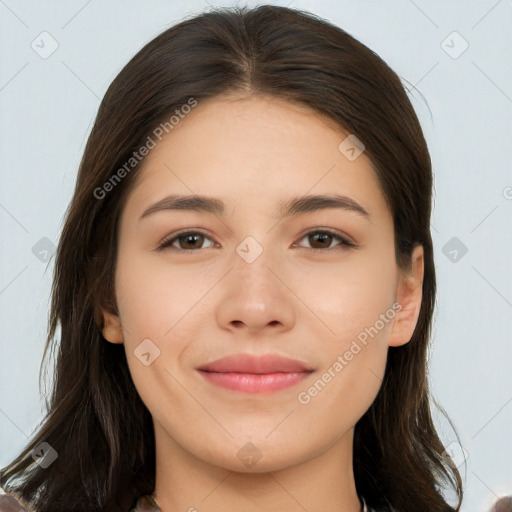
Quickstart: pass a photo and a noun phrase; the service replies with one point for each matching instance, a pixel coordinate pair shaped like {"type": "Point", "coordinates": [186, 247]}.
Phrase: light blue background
{"type": "Point", "coordinates": [47, 109]}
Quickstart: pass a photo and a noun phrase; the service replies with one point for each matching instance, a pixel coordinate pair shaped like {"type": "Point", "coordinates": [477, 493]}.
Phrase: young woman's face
{"type": "Point", "coordinates": [313, 282]}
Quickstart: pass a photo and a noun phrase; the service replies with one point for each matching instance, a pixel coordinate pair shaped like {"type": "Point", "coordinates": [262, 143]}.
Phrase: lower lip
{"type": "Point", "coordinates": [252, 383]}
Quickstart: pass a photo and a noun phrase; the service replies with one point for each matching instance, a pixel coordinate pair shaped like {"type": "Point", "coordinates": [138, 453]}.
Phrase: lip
{"type": "Point", "coordinates": [245, 363]}
{"type": "Point", "coordinates": [253, 374]}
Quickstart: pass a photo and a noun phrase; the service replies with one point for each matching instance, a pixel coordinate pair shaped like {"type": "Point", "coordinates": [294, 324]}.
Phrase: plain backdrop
{"type": "Point", "coordinates": [58, 58]}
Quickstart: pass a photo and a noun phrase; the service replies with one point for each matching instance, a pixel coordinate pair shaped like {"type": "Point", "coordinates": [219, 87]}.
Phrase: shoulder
{"type": "Point", "coordinates": [9, 503]}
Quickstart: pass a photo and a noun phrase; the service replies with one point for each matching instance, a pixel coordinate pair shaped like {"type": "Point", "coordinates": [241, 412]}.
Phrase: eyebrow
{"type": "Point", "coordinates": [287, 208]}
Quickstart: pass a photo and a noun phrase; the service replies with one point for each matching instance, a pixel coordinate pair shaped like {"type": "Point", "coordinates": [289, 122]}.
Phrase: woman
{"type": "Point", "coordinates": [244, 285]}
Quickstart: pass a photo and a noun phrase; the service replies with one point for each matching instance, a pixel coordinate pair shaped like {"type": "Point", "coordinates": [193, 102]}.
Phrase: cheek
{"type": "Point", "coordinates": [153, 297]}
{"type": "Point", "coordinates": [356, 304]}
{"type": "Point", "coordinates": [155, 304]}
{"type": "Point", "coordinates": [348, 296]}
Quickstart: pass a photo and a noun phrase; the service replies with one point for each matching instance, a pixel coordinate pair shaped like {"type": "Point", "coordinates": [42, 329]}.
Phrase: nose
{"type": "Point", "coordinates": [257, 297]}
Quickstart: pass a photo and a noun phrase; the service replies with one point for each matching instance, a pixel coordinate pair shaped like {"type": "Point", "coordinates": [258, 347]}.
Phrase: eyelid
{"type": "Point", "coordinates": [345, 241]}
{"type": "Point", "coordinates": [165, 243]}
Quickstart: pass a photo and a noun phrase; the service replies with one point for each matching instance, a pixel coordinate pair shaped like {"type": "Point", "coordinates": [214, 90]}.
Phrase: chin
{"type": "Point", "coordinates": [257, 456]}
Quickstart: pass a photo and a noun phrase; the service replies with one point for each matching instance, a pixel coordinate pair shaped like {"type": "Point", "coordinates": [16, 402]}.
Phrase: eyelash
{"type": "Point", "coordinates": [166, 244]}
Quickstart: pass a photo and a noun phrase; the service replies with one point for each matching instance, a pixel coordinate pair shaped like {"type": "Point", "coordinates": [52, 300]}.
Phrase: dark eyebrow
{"type": "Point", "coordinates": [289, 207]}
{"type": "Point", "coordinates": [192, 202]}
{"type": "Point", "coordinates": [304, 204]}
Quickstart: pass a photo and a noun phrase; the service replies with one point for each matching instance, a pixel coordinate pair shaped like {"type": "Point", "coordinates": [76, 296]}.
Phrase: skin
{"type": "Point", "coordinates": [204, 304]}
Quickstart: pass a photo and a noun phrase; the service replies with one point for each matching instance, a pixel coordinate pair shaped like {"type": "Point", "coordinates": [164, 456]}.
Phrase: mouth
{"type": "Point", "coordinates": [252, 374]}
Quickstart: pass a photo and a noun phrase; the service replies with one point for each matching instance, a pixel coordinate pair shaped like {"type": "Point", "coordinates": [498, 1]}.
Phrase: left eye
{"type": "Point", "coordinates": [324, 238]}
{"type": "Point", "coordinates": [191, 240]}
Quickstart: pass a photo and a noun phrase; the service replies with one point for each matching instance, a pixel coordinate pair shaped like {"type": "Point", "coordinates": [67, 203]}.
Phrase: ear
{"type": "Point", "coordinates": [112, 330]}
{"type": "Point", "coordinates": [409, 295]}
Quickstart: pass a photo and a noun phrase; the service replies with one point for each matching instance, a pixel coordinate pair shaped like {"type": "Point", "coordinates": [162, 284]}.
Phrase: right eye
{"type": "Point", "coordinates": [187, 241]}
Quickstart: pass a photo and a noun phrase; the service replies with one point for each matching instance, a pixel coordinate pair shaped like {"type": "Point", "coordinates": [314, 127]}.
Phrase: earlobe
{"type": "Point", "coordinates": [409, 296]}
{"type": "Point", "coordinates": [112, 330]}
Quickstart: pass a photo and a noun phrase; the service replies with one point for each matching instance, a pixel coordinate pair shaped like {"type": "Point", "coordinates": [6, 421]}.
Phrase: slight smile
{"type": "Point", "coordinates": [250, 374]}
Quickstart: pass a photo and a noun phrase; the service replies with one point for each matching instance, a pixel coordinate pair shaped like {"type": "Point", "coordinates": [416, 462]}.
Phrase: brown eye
{"type": "Point", "coordinates": [186, 241]}
{"type": "Point", "coordinates": [191, 241]}
{"type": "Point", "coordinates": [322, 240]}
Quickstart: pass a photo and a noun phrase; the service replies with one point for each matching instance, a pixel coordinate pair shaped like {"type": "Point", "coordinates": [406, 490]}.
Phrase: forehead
{"type": "Point", "coordinates": [257, 151]}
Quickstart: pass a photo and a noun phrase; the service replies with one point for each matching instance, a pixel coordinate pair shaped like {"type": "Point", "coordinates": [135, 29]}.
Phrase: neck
{"type": "Point", "coordinates": [324, 481]}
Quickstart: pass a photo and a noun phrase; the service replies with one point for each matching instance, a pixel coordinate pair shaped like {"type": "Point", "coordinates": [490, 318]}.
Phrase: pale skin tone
{"type": "Point", "coordinates": [206, 302]}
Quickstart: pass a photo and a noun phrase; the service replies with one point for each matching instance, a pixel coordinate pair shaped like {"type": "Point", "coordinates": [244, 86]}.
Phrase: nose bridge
{"type": "Point", "coordinates": [253, 295]}
{"type": "Point", "coordinates": [252, 262]}
{"type": "Point", "coordinates": [251, 249]}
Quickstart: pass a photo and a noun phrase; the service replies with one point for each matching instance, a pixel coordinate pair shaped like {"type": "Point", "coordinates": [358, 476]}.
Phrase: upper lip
{"type": "Point", "coordinates": [245, 363]}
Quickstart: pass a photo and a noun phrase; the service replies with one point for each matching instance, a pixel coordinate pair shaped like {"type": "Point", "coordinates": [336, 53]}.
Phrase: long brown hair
{"type": "Point", "coordinates": [96, 421]}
